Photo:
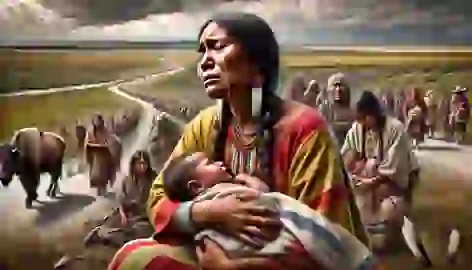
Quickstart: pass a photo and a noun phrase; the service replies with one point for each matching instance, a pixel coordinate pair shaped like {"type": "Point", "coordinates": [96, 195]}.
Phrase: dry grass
{"type": "Point", "coordinates": [51, 112]}
{"type": "Point", "coordinates": [46, 69]}
{"type": "Point", "coordinates": [340, 59]}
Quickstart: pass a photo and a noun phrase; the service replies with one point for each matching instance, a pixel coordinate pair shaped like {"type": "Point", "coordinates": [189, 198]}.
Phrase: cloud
{"type": "Point", "coordinates": [297, 21]}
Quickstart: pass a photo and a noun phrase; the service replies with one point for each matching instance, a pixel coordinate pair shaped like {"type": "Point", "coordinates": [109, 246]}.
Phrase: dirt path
{"type": "Point", "coordinates": [54, 220]}
{"type": "Point", "coordinates": [442, 154]}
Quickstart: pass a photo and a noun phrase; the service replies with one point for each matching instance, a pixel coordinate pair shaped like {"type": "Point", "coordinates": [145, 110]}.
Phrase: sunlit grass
{"type": "Point", "coordinates": [50, 112]}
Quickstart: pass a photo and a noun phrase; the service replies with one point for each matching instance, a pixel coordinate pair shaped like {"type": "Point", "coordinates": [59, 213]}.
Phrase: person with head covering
{"type": "Point", "coordinates": [296, 87]}
{"type": "Point", "coordinates": [388, 101]}
{"type": "Point", "coordinates": [103, 150]}
{"type": "Point", "coordinates": [432, 106]}
{"type": "Point", "coordinates": [252, 131]}
{"type": "Point", "coordinates": [399, 103]}
{"type": "Point", "coordinates": [460, 113]}
{"type": "Point", "coordinates": [339, 114]}
{"type": "Point", "coordinates": [385, 194]}
{"type": "Point", "coordinates": [311, 93]}
{"type": "Point", "coordinates": [415, 112]}
{"type": "Point", "coordinates": [322, 102]}
{"type": "Point", "coordinates": [132, 198]}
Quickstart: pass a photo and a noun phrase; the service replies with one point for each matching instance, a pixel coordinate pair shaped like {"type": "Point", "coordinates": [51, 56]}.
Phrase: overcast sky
{"type": "Point", "coordinates": [302, 21]}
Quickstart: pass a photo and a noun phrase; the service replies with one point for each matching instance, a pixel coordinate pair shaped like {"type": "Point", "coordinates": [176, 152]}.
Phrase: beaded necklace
{"type": "Point", "coordinates": [244, 160]}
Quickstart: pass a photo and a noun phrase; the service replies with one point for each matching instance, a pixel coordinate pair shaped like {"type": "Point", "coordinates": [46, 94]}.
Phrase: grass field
{"type": "Point", "coordinates": [50, 112]}
{"type": "Point", "coordinates": [46, 69]}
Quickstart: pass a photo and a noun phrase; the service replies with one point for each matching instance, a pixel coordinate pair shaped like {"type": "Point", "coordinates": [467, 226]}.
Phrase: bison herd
{"type": "Point", "coordinates": [32, 151]}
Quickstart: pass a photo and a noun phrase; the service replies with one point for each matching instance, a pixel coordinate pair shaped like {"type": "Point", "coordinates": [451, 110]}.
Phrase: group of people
{"type": "Point", "coordinates": [421, 113]}
{"type": "Point", "coordinates": [280, 185]}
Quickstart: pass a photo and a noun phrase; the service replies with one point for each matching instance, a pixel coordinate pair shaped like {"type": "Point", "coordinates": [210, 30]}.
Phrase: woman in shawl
{"type": "Point", "coordinates": [311, 93]}
{"type": "Point", "coordinates": [460, 113]}
{"type": "Point", "coordinates": [415, 112]}
{"type": "Point", "coordinates": [285, 143]}
{"type": "Point", "coordinates": [384, 196]}
{"type": "Point", "coordinates": [296, 87]}
{"type": "Point", "coordinates": [432, 106]}
{"type": "Point", "coordinates": [388, 100]}
{"type": "Point", "coordinates": [399, 102]}
{"type": "Point", "coordinates": [340, 115]}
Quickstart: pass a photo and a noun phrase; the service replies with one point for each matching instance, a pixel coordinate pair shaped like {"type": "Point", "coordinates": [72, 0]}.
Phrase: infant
{"type": "Point", "coordinates": [307, 236]}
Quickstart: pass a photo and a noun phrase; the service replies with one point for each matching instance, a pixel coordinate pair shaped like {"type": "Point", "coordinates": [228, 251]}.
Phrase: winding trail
{"type": "Point", "coordinates": [77, 203]}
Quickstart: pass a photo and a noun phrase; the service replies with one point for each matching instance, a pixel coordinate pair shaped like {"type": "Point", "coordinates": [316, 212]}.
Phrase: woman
{"type": "Point", "coordinates": [296, 87]}
{"type": "Point", "coordinates": [311, 93]}
{"type": "Point", "coordinates": [432, 106]}
{"type": "Point", "coordinates": [460, 114]}
{"type": "Point", "coordinates": [129, 221]}
{"type": "Point", "coordinates": [384, 197]}
{"type": "Point", "coordinates": [388, 100]}
{"type": "Point", "coordinates": [415, 113]}
{"type": "Point", "coordinates": [285, 143]}
{"type": "Point", "coordinates": [340, 115]}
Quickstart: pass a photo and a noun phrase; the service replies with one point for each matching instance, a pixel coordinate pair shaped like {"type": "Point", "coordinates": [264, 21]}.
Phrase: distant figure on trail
{"type": "Point", "coordinates": [184, 111]}
{"type": "Point", "coordinates": [164, 136]}
{"type": "Point", "coordinates": [399, 104]}
{"type": "Point", "coordinates": [132, 197]}
{"type": "Point", "coordinates": [340, 114]}
{"type": "Point", "coordinates": [322, 102]}
{"type": "Point", "coordinates": [460, 113]}
{"type": "Point", "coordinates": [311, 93]}
{"type": "Point", "coordinates": [296, 87]}
{"type": "Point", "coordinates": [388, 101]}
{"type": "Point", "coordinates": [128, 221]}
{"type": "Point", "coordinates": [103, 152]}
{"type": "Point", "coordinates": [80, 137]}
{"type": "Point", "coordinates": [443, 115]}
{"type": "Point", "coordinates": [415, 113]}
{"type": "Point", "coordinates": [432, 104]}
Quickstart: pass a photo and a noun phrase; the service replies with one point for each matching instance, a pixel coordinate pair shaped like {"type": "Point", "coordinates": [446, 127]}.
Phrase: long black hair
{"type": "Point", "coordinates": [138, 156]}
{"type": "Point", "coordinates": [259, 43]}
{"type": "Point", "coordinates": [369, 104]}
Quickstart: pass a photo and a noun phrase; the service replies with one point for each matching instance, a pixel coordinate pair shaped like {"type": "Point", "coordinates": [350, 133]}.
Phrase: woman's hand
{"type": "Point", "coordinates": [365, 182]}
{"type": "Point", "coordinates": [239, 216]}
{"type": "Point", "coordinates": [212, 257]}
{"type": "Point", "coordinates": [251, 182]}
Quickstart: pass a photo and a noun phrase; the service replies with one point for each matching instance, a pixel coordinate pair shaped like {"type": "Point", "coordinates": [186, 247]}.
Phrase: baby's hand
{"type": "Point", "coordinates": [251, 182]}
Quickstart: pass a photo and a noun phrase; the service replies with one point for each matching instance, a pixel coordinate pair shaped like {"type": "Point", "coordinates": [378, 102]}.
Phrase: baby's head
{"type": "Point", "coordinates": [188, 175]}
{"type": "Point", "coordinates": [352, 161]}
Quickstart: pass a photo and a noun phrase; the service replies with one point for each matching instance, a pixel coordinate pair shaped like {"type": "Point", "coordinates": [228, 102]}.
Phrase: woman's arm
{"type": "Point", "coordinates": [164, 214]}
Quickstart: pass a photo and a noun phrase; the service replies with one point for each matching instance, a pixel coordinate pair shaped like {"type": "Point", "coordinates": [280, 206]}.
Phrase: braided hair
{"type": "Point", "coordinates": [260, 44]}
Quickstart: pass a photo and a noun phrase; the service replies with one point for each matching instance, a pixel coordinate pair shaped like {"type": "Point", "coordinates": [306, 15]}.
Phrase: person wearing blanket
{"type": "Point", "coordinates": [307, 236]}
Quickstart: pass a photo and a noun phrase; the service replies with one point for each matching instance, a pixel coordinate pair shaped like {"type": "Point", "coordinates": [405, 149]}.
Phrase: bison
{"type": "Point", "coordinates": [30, 153]}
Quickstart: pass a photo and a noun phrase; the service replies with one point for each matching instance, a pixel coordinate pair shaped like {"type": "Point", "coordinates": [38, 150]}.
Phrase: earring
{"type": "Point", "coordinates": [256, 101]}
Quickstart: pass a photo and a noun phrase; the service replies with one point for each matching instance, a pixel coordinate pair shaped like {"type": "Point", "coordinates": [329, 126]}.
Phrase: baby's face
{"type": "Point", "coordinates": [209, 173]}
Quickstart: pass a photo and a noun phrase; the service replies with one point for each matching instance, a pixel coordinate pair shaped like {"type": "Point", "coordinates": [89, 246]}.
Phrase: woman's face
{"type": "Point", "coordinates": [223, 64]}
{"type": "Point", "coordinates": [366, 120]}
{"type": "Point", "coordinates": [140, 167]}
